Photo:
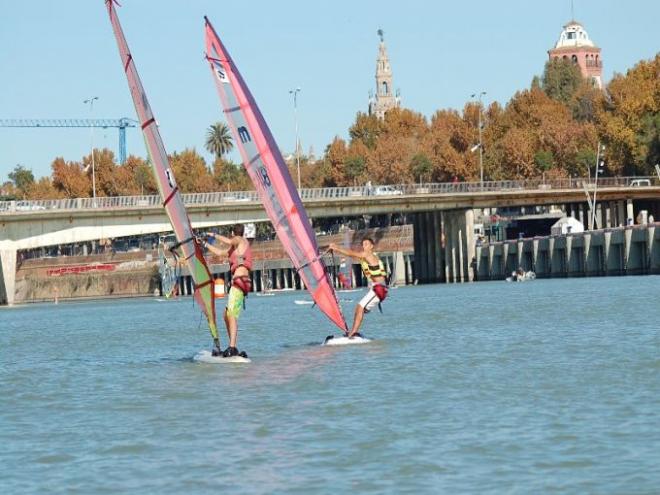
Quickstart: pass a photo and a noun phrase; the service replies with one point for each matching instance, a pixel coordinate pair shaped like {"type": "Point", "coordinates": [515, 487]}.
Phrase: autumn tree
{"type": "Point", "coordinates": [335, 156]}
{"type": "Point", "coordinates": [367, 129]}
{"type": "Point", "coordinates": [43, 189]}
{"type": "Point", "coordinates": [70, 179]}
{"type": "Point", "coordinates": [229, 176]}
{"type": "Point", "coordinates": [629, 120]}
{"type": "Point", "coordinates": [191, 172]}
{"type": "Point", "coordinates": [104, 171]}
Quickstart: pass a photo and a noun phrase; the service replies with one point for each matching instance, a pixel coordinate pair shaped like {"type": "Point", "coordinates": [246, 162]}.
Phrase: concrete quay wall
{"type": "Point", "coordinates": [631, 250]}
{"type": "Point", "coordinates": [136, 273]}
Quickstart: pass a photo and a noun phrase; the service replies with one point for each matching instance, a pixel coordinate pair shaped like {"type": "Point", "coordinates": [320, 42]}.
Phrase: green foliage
{"type": "Point", "coordinates": [354, 167]}
{"type": "Point", "coordinates": [367, 129]}
{"type": "Point", "coordinates": [421, 166]}
{"type": "Point", "coordinates": [648, 142]}
{"type": "Point", "coordinates": [22, 178]}
{"type": "Point", "coordinates": [585, 160]}
{"type": "Point", "coordinates": [544, 160]}
{"type": "Point", "coordinates": [219, 140]}
{"type": "Point", "coordinates": [561, 79]}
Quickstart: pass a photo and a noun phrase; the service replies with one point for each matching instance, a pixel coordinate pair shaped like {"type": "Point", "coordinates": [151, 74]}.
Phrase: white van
{"type": "Point", "coordinates": [640, 182]}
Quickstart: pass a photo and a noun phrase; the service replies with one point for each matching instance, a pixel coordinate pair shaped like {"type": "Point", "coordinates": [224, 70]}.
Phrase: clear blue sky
{"type": "Point", "coordinates": [57, 53]}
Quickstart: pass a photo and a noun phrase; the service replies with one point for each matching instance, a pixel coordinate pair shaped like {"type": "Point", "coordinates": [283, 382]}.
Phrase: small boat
{"type": "Point", "coordinates": [521, 275]}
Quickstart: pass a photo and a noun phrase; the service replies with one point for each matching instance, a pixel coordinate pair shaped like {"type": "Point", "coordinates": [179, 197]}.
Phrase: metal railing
{"type": "Point", "coordinates": [380, 192]}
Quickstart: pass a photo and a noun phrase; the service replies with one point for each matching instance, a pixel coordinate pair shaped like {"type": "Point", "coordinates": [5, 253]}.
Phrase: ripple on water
{"type": "Point", "coordinates": [482, 388]}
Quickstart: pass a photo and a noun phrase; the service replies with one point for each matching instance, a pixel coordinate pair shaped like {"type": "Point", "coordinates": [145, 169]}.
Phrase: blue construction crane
{"type": "Point", "coordinates": [121, 124]}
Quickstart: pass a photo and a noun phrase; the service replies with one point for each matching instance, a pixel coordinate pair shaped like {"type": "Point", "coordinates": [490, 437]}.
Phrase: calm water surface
{"type": "Point", "coordinates": [551, 386]}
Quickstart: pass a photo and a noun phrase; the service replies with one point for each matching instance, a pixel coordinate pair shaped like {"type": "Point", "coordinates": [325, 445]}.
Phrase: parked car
{"type": "Point", "coordinates": [385, 190]}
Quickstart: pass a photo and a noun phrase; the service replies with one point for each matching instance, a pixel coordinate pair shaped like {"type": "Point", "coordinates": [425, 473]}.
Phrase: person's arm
{"type": "Point", "coordinates": [215, 250]}
{"type": "Point", "coordinates": [223, 239]}
{"type": "Point", "coordinates": [346, 252]}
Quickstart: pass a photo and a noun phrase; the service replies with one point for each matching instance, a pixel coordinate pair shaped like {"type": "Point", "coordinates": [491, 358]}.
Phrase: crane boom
{"type": "Point", "coordinates": [120, 124]}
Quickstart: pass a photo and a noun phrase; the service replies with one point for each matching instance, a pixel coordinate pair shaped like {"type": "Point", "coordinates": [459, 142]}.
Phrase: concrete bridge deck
{"type": "Point", "coordinates": [32, 224]}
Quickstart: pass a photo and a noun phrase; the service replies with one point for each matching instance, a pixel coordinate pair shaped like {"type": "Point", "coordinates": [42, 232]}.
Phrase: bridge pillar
{"type": "Point", "coordinates": [427, 238]}
{"type": "Point", "coordinates": [399, 271]}
{"type": "Point", "coordinates": [630, 212]}
{"type": "Point", "coordinates": [459, 249]}
{"type": "Point", "coordinates": [8, 261]}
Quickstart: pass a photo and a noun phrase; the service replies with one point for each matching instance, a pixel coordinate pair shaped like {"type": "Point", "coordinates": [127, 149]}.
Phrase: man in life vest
{"type": "Point", "coordinates": [240, 264]}
{"type": "Point", "coordinates": [373, 269]}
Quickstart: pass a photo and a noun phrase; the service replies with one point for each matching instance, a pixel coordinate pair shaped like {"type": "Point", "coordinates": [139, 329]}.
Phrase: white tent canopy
{"type": "Point", "coordinates": [566, 225]}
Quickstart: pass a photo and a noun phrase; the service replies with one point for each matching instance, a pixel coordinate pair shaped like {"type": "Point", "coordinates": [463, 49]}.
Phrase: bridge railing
{"type": "Point", "coordinates": [321, 194]}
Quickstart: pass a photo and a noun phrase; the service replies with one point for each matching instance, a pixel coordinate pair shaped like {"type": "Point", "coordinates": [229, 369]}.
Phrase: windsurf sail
{"type": "Point", "coordinates": [265, 166]}
{"type": "Point", "coordinates": [169, 191]}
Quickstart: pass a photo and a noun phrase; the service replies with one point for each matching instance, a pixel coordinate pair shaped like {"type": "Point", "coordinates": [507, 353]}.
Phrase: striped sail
{"type": "Point", "coordinates": [169, 191]}
{"type": "Point", "coordinates": [271, 178]}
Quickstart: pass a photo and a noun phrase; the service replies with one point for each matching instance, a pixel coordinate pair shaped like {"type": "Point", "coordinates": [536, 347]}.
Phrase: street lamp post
{"type": "Point", "coordinates": [600, 165]}
{"type": "Point", "coordinates": [295, 92]}
{"type": "Point", "coordinates": [91, 129]}
{"type": "Point", "coordinates": [480, 145]}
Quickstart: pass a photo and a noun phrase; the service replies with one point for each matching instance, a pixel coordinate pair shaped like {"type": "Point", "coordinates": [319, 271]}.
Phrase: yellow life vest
{"type": "Point", "coordinates": [371, 271]}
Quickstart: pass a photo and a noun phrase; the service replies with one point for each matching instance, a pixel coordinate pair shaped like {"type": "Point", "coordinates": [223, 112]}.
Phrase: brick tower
{"type": "Point", "coordinates": [574, 44]}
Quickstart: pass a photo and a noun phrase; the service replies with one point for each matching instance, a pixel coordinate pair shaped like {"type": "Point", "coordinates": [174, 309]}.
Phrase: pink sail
{"type": "Point", "coordinates": [169, 191]}
{"type": "Point", "coordinates": [265, 166]}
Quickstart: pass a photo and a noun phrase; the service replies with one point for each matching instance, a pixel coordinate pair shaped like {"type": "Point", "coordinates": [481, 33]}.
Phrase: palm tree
{"type": "Point", "coordinates": [219, 140]}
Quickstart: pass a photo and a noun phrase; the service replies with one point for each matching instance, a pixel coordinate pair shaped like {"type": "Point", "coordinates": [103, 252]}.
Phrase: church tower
{"type": "Point", "coordinates": [384, 99]}
{"type": "Point", "coordinates": [574, 44]}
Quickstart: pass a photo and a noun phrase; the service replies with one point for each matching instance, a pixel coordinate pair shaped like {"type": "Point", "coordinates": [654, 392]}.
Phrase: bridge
{"type": "Point", "coordinates": [440, 211]}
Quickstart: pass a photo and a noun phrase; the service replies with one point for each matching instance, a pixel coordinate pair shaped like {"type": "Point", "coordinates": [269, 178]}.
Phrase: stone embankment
{"type": "Point", "coordinates": [136, 273]}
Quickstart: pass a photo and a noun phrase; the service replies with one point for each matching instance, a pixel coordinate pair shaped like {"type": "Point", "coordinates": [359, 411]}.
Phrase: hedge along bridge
{"type": "Point", "coordinates": [438, 209]}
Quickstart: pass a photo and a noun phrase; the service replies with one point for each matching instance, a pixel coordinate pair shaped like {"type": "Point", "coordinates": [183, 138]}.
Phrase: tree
{"type": "Point", "coordinates": [142, 174]}
{"type": "Point", "coordinates": [231, 177]}
{"type": "Point", "coordinates": [219, 140]}
{"type": "Point", "coordinates": [104, 172]}
{"type": "Point", "coordinates": [43, 189]}
{"type": "Point", "coordinates": [335, 156]}
{"type": "Point", "coordinates": [421, 166]}
{"type": "Point", "coordinates": [367, 129]}
{"type": "Point", "coordinates": [628, 120]}
{"type": "Point", "coordinates": [561, 78]}
{"type": "Point", "coordinates": [70, 180]}
{"type": "Point", "coordinates": [544, 160]}
{"type": "Point", "coordinates": [22, 178]}
{"type": "Point", "coordinates": [354, 168]}
{"type": "Point", "coordinates": [191, 173]}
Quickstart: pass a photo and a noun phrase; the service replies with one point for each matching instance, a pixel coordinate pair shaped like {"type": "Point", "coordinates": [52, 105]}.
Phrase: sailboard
{"type": "Point", "coordinates": [272, 180]}
{"type": "Point", "coordinates": [208, 358]}
{"type": "Point", "coordinates": [169, 191]}
{"type": "Point", "coordinates": [332, 340]}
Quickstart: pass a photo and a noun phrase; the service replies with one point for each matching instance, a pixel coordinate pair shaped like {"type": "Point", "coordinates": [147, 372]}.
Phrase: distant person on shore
{"type": "Point", "coordinates": [374, 270]}
{"type": "Point", "coordinates": [240, 265]}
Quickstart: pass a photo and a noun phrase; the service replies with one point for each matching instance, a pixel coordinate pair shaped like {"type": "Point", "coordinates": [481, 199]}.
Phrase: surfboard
{"type": "Point", "coordinates": [302, 302]}
{"type": "Point", "coordinates": [208, 358]}
{"type": "Point", "coordinates": [332, 340]}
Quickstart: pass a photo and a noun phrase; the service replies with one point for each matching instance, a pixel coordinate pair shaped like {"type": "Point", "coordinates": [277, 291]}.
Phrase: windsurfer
{"type": "Point", "coordinates": [374, 270]}
{"type": "Point", "coordinates": [240, 263]}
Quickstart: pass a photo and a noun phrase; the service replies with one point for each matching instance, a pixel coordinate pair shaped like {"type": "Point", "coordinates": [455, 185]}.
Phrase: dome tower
{"type": "Point", "coordinates": [574, 44]}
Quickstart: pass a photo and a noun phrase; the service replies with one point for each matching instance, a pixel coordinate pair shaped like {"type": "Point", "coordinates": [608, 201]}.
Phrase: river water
{"type": "Point", "coordinates": [551, 386]}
